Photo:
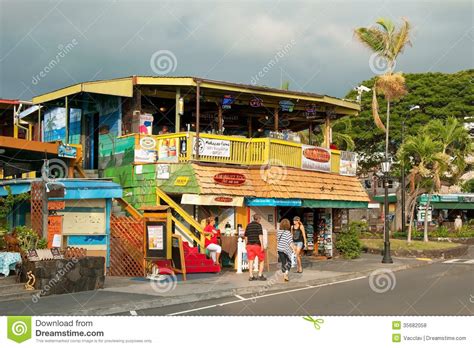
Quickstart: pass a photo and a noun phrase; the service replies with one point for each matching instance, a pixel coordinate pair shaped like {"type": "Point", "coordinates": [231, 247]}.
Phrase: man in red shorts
{"type": "Point", "coordinates": [254, 243]}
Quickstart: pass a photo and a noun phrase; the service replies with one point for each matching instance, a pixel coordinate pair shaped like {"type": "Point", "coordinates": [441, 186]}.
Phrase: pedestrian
{"type": "Point", "coordinates": [285, 247]}
{"type": "Point", "coordinates": [164, 130]}
{"type": "Point", "coordinates": [299, 239]}
{"type": "Point", "coordinates": [254, 245]}
{"type": "Point", "coordinates": [458, 223]}
{"type": "Point", "coordinates": [210, 242]}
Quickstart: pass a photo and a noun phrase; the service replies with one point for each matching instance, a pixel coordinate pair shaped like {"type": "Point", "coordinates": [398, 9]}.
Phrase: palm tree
{"type": "Point", "coordinates": [340, 129]}
{"type": "Point", "coordinates": [387, 42]}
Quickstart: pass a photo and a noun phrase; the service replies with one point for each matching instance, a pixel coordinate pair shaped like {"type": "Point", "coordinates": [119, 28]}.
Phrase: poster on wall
{"type": "Point", "coordinates": [145, 156]}
{"type": "Point", "coordinates": [316, 158]}
{"type": "Point", "coordinates": [212, 147]}
{"type": "Point", "coordinates": [168, 150]}
{"type": "Point", "coordinates": [348, 163]}
{"type": "Point", "coordinates": [155, 237]}
{"type": "Point", "coordinates": [163, 171]}
{"type": "Point", "coordinates": [146, 124]}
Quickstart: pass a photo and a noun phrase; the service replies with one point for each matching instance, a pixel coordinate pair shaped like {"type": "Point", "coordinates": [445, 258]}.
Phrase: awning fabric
{"type": "Point", "coordinates": [16, 189]}
{"type": "Point", "coordinates": [220, 200]}
{"type": "Point", "coordinates": [391, 199]}
{"type": "Point", "coordinates": [310, 203]}
{"type": "Point", "coordinates": [452, 205]}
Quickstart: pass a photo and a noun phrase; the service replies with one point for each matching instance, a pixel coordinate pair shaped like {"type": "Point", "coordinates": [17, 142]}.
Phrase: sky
{"type": "Point", "coordinates": [50, 44]}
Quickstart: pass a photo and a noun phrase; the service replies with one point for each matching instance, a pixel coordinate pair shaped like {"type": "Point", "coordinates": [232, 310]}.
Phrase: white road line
{"type": "Point", "coordinates": [240, 297]}
{"type": "Point", "coordinates": [253, 298]}
{"type": "Point", "coordinates": [133, 312]}
{"type": "Point", "coordinates": [469, 261]}
{"type": "Point", "coordinates": [452, 261]}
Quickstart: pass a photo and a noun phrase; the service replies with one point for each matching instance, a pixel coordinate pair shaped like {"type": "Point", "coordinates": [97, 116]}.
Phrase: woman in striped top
{"type": "Point", "coordinates": [285, 247]}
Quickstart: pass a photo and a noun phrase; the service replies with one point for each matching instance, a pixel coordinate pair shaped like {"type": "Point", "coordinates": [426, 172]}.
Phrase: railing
{"type": "Point", "coordinates": [238, 150]}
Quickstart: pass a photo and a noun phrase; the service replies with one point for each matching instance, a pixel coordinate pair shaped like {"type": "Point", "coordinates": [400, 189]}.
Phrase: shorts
{"type": "Point", "coordinates": [298, 245]}
{"type": "Point", "coordinates": [254, 250]}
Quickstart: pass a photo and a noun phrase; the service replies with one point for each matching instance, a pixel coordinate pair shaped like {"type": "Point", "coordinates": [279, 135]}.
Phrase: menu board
{"type": "Point", "coordinates": [155, 239]}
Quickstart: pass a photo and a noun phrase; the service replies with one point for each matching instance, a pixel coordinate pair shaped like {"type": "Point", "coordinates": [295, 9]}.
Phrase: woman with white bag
{"type": "Point", "coordinates": [285, 247]}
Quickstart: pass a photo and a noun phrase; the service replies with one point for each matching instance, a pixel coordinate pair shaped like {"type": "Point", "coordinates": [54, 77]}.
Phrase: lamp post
{"type": "Point", "coordinates": [386, 241]}
{"type": "Point", "coordinates": [413, 107]}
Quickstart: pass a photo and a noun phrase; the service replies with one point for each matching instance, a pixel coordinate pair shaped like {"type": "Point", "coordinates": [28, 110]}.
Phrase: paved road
{"type": "Point", "coordinates": [437, 289]}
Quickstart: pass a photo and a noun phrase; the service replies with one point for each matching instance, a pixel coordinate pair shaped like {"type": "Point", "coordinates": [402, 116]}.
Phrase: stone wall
{"type": "Point", "coordinates": [67, 275]}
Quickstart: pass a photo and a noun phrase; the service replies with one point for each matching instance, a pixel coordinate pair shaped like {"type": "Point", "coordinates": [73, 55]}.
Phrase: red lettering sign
{"type": "Point", "coordinates": [229, 179]}
{"type": "Point", "coordinates": [318, 155]}
{"type": "Point", "coordinates": [223, 199]}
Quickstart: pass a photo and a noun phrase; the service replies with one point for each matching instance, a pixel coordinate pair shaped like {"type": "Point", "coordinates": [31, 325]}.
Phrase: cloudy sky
{"type": "Point", "coordinates": [49, 44]}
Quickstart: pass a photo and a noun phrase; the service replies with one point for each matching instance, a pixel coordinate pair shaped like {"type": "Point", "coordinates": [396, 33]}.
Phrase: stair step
{"type": "Point", "coordinates": [206, 262]}
{"type": "Point", "coordinates": [11, 288]}
{"type": "Point", "coordinates": [203, 269]}
{"type": "Point", "coordinates": [17, 296]}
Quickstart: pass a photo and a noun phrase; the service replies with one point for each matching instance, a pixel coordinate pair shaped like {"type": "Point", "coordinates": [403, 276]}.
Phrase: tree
{"type": "Point", "coordinates": [340, 133]}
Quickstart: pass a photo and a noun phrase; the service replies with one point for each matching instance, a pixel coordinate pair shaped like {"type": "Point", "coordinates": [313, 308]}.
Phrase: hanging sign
{"type": "Point", "coordinates": [67, 151]}
{"type": "Point", "coordinates": [310, 111]}
{"type": "Point", "coordinates": [56, 205]}
{"type": "Point", "coordinates": [256, 102]}
{"type": "Point", "coordinates": [227, 102]}
{"type": "Point", "coordinates": [212, 147]}
{"type": "Point", "coordinates": [286, 105]}
{"type": "Point", "coordinates": [348, 163]}
{"type": "Point", "coordinates": [316, 158]}
{"type": "Point", "coordinates": [229, 179]}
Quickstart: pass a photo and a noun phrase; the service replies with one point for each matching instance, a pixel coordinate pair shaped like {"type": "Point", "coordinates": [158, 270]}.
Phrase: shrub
{"type": "Point", "coordinates": [27, 238]}
{"type": "Point", "coordinates": [348, 242]}
{"type": "Point", "coordinates": [442, 232]}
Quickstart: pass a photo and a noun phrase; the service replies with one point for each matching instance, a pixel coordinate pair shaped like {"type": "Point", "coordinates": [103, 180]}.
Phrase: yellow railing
{"type": "Point", "coordinates": [244, 151]}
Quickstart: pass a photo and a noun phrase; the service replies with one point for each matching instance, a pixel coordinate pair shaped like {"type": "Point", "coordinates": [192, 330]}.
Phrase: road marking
{"type": "Point", "coordinates": [240, 297]}
{"type": "Point", "coordinates": [133, 312]}
{"type": "Point", "coordinates": [423, 259]}
{"type": "Point", "coordinates": [253, 298]}
{"type": "Point", "coordinates": [460, 261]}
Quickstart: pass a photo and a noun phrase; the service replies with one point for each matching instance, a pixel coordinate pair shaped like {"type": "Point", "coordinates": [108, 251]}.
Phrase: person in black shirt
{"type": "Point", "coordinates": [254, 245]}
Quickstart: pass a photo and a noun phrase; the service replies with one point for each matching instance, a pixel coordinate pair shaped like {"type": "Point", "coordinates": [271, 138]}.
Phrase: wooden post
{"type": "Point", "coordinates": [66, 105]}
{"type": "Point", "coordinates": [39, 124]}
{"type": "Point", "coordinates": [219, 119]}
{"type": "Point", "coordinates": [275, 120]}
{"type": "Point", "coordinates": [249, 121]}
{"type": "Point", "coordinates": [310, 132]}
{"type": "Point", "coordinates": [15, 127]}
{"type": "Point", "coordinates": [177, 116]}
{"type": "Point", "coordinates": [198, 115]}
{"type": "Point", "coordinates": [327, 135]}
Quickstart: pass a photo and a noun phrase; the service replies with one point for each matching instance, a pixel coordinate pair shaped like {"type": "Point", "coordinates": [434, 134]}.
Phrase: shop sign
{"type": "Point", "coordinates": [310, 111]}
{"type": "Point", "coordinates": [316, 158]}
{"type": "Point", "coordinates": [212, 147]}
{"type": "Point", "coordinates": [181, 181]}
{"type": "Point", "coordinates": [55, 227]}
{"type": "Point", "coordinates": [67, 151]}
{"type": "Point", "coordinates": [348, 163]}
{"type": "Point", "coordinates": [217, 200]}
{"type": "Point", "coordinates": [229, 179]}
{"type": "Point", "coordinates": [148, 143]}
{"type": "Point", "coordinates": [144, 156]}
{"type": "Point", "coordinates": [227, 102]}
{"type": "Point", "coordinates": [286, 105]}
{"type": "Point", "coordinates": [256, 102]}
{"type": "Point", "coordinates": [56, 205]}
{"type": "Point", "coordinates": [449, 199]}
{"type": "Point", "coordinates": [273, 202]}
{"type": "Point", "coordinates": [468, 199]}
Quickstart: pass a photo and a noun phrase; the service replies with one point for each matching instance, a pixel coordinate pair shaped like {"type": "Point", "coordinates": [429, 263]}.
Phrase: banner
{"type": "Point", "coordinates": [316, 158]}
{"type": "Point", "coordinates": [212, 147]}
{"type": "Point", "coordinates": [348, 163]}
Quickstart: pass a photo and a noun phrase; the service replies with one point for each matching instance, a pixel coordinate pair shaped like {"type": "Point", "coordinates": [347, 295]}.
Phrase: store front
{"type": "Point", "coordinates": [444, 208]}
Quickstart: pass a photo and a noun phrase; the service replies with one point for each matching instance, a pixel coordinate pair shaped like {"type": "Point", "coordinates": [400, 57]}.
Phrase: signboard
{"type": "Point", "coordinates": [229, 179]}
{"type": "Point", "coordinates": [177, 255]}
{"type": "Point", "coordinates": [286, 105]}
{"type": "Point", "coordinates": [315, 158]}
{"type": "Point", "coordinates": [272, 202]}
{"type": "Point", "coordinates": [348, 163]}
{"type": "Point", "coordinates": [55, 227]}
{"type": "Point", "coordinates": [155, 237]}
{"type": "Point", "coordinates": [56, 205]}
{"type": "Point", "coordinates": [256, 102]}
{"type": "Point", "coordinates": [181, 181]}
{"type": "Point", "coordinates": [163, 171]}
{"type": "Point", "coordinates": [212, 147]}
{"type": "Point", "coordinates": [145, 156]}
{"type": "Point", "coordinates": [84, 223]}
{"type": "Point", "coordinates": [222, 200]}
{"type": "Point", "coordinates": [148, 143]}
{"type": "Point", "coordinates": [146, 123]}
{"type": "Point", "coordinates": [168, 150]}
{"type": "Point", "coordinates": [67, 151]}
{"type": "Point", "coordinates": [227, 102]}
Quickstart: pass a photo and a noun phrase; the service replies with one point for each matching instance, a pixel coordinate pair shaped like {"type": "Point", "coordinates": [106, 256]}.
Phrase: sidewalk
{"type": "Point", "coordinates": [125, 294]}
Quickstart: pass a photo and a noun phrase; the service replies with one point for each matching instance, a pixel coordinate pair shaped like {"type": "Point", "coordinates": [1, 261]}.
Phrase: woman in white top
{"type": "Point", "coordinates": [285, 247]}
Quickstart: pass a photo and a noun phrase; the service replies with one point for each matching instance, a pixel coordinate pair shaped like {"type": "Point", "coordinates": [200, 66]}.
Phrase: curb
{"type": "Point", "coordinates": [256, 290]}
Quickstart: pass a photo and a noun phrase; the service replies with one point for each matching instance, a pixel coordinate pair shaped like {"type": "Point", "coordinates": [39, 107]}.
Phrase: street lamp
{"type": "Point", "coordinates": [412, 108]}
{"type": "Point", "coordinates": [386, 240]}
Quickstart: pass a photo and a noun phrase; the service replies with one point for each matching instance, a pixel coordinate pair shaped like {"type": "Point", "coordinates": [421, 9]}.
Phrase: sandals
{"type": "Point", "coordinates": [252, 278]}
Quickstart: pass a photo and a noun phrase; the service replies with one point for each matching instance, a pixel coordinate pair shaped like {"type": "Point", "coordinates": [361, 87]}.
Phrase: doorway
{"type": "Point", "coordinates": [91, 141]}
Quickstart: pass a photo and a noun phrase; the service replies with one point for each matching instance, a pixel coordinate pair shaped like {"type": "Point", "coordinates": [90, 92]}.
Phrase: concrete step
{"type": "Point", "coordinates": [19, 296]}
{"type": "Point", "coordinates": [11, 290]}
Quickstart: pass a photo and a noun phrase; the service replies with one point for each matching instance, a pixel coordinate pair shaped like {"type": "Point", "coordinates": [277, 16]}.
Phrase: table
{"type": "Point", "coordinates": [8, 261]}
{"type": "Point", "coordinates": [229, 244]}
